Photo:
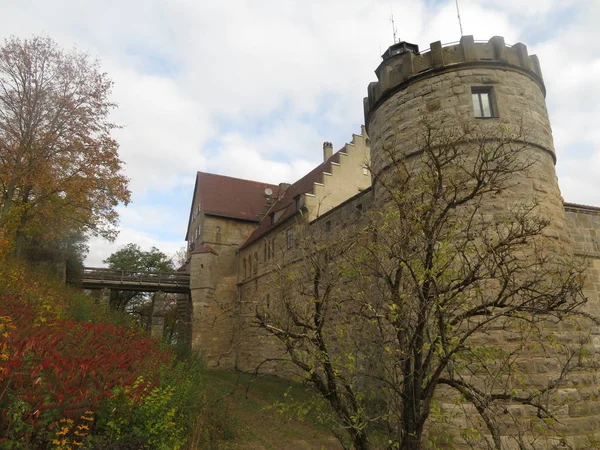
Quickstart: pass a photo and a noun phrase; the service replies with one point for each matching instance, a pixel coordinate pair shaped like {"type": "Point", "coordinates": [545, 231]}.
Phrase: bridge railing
{"type": "Point", "coordinates": [135, 277]}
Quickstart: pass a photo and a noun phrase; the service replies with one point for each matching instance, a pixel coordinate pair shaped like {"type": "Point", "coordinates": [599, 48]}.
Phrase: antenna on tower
{"type": "Point", "coordinates": [459, 21]}
{"type": "Point", "coordinates": [394, 29]}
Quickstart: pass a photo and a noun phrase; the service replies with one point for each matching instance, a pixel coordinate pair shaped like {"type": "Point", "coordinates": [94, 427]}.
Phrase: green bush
{"type": "Point", "coordinates": [160, 418]}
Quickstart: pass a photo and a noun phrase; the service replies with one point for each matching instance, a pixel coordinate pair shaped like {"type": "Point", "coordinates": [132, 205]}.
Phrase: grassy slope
{"type": "Point", "coordinates": [256, 424]}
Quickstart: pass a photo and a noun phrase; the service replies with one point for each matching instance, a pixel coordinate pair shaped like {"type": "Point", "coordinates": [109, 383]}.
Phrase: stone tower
{"type": "Point", "coordinates": [508, 85]}
{"type": "Point", "coordinates": [493, 84]}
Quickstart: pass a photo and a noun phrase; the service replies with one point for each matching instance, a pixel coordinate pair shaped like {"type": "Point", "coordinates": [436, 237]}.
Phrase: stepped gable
{"type": "Point", "coordinates": [286, 205]}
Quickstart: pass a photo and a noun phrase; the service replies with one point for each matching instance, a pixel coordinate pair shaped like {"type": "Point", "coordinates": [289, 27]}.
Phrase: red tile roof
{"type": "Point", "coordinates": [288, 203]}
{"type": "Point", "coordinates": [235, 198]}
{"type": "Point", "coordinates": [204, 249]}
{"type": "Point", "coordinates": [232, 197]}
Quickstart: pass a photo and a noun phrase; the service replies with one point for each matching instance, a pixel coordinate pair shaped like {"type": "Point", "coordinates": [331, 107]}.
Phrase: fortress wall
{"type": "Point", "coordinates": [584, 225]}
{"type": "Point", "coordinates": [255, 347]}
{"type": "Point", "coordinates": [213, 290]}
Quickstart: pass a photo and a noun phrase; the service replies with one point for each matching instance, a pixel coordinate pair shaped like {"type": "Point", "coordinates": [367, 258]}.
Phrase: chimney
{"type": "Point", "coordinates": [282, 188]}
{"type": "Point", "coordinates": [327, 150]}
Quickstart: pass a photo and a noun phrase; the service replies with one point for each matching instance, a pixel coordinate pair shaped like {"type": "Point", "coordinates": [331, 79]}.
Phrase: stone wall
{"type": "Point", "coordinates": [213, 289]}
{"type": "Point", "coordinates": [257, 348]}
{"type": "Point", "coordinates": [584, 225]}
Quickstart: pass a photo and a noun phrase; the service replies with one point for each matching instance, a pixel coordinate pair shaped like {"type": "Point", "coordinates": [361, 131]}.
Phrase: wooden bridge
{"type": "Point", "coordinates": [129, 280]}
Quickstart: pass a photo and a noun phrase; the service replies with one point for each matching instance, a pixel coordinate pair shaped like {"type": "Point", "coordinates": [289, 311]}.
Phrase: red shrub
{"type": "Point", "coordinates": [62, 368]}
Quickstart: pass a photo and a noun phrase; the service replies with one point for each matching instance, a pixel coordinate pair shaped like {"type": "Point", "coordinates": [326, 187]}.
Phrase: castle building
{"type": "Point", "coordinates": [239, 230]}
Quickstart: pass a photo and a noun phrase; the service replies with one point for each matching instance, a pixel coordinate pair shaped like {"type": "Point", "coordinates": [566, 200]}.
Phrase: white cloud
{"type": "Point", "coordinates": [251, 89]}
{"type": "Point", "coordinates": [100, 249]}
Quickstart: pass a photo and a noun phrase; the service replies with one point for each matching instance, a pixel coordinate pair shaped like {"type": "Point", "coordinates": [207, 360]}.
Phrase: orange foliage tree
{"type": "Point", "coordinates": [59, 167]}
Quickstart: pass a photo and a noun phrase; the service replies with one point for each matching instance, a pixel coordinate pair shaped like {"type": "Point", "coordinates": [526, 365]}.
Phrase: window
{"type": "Point", "coordinates": [328, 226]}
{"type": "Point", "coordinates": [483, 104]}
{"type": "Point", "coordinates": [359, 210]}
{"type": "Point", "coordinates": [245, 272]}
{"type": "Point", "coordinates": [290, 238]}
{"type": "Point", "coordinates": [255, 267]}
{"type": "Point", "coordinates": [273, 247]}
{"type": "Point", "coordinates": [249, 266]}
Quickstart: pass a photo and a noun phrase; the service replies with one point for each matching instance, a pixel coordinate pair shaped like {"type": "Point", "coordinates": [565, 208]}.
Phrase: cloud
{"type": "Point", "coordinates": [100, 249]}
{"type": "Point", "coordinates": [252, 89]}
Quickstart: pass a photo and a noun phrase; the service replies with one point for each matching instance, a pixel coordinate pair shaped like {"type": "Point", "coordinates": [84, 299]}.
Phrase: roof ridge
{"type": "Point", "coordinates": [235, 178]}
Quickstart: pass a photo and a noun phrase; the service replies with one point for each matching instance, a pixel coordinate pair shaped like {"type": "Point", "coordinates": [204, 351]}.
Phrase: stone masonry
{"type": "Point", "coordinates": [231, 268]}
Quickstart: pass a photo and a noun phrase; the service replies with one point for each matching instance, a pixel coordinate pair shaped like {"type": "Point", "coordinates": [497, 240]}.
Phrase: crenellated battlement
{"type": "Point", "coordinates": [403, 63]}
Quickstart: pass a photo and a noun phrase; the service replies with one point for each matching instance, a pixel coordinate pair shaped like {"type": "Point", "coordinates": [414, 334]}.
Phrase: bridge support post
{"type": "Point", "coordinates": [157, 320]}
{"type": "Point", "coordinates": [105, 297]}
{"type": "Point", "coordinates": [184, 319]}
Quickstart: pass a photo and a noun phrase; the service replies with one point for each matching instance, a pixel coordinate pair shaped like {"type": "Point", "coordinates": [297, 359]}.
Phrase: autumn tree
{"type": "Point", "coordinates": [420, 323]}
{"type": "Point", "coordinates": [59, 166]}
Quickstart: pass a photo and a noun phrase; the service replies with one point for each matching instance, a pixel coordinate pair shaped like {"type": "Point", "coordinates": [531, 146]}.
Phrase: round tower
{"type": "Point", "coordinates": [483, 85]}
{"type": "Point", "coordinates": [486, 83]}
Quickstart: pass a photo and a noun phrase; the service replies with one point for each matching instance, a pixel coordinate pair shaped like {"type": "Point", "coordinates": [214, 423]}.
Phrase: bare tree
{"type": "Point", "coordinates": [427, 315]}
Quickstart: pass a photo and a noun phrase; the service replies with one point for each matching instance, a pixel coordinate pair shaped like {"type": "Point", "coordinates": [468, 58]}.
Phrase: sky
{"type": "Point", "coordinates": [252, 88]}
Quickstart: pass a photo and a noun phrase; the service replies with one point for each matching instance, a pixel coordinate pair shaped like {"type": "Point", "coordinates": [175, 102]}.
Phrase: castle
{"type": "Point", "coordinates": [239, 230]}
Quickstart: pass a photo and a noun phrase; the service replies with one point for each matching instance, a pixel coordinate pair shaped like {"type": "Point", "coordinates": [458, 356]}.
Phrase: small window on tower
{"type": "Point", "coordinates": [483, 102]}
